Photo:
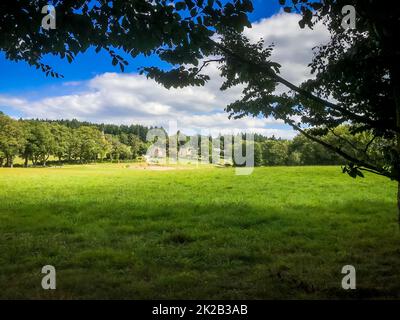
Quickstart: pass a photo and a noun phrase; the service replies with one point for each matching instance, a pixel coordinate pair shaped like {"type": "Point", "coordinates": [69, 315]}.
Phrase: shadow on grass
{"type": "Point", "coordinates": [188, 250]}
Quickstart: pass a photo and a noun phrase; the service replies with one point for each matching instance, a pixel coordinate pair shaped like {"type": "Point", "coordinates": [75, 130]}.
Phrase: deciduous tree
{"type": "Point", "coordinates": [12, 139]}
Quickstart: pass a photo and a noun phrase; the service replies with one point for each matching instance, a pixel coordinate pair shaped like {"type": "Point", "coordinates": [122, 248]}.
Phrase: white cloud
{"type": "Point", "coordinates": [293, 45]}
{"type": "Point", "coordinates": [130, 98]}
{"type": "Point", "coordinates": [11, 101]}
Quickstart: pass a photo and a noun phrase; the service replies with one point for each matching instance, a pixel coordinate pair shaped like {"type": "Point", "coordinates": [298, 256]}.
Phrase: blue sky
{"type": "Point", "coordinates": [27, 92]}
{"type": "Point", "coordinates": [18, 77]}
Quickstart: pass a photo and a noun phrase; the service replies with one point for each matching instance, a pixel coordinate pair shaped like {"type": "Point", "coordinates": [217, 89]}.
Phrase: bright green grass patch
{"type": "Point", "coordinates": [117, 232]}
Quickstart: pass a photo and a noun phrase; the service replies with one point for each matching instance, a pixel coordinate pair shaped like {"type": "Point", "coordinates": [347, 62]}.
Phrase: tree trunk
{"type": "Point", "coordinates": [395, 77]}
{"type": "Point", "coordinates": [45, 158]}
{"type": "Point", "coordinates": [398, 200]}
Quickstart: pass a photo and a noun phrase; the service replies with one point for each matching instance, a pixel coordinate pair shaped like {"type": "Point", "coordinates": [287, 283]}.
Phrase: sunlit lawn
{"type": "Point", "coordinates": [113, 231]}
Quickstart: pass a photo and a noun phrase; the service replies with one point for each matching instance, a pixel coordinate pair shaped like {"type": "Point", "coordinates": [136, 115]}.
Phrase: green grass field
{"type": "Point", "coordinates": [118, 232]}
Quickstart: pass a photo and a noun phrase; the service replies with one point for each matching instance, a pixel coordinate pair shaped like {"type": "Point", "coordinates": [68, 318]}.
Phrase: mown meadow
{"type": "Point", "coordinates": [118, 231]}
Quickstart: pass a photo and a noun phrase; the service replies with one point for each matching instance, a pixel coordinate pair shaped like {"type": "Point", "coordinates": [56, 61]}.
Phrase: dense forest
{"type": "Point", "coordinates": [42, 142]}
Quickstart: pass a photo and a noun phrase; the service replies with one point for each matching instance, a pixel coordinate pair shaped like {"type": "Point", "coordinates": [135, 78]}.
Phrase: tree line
{"type": "Point", "coordinates": [36, 141]}
{"type": "Point", "coordinates": [73, 141]}
{"type": "Point", "coordinates": [303, 151]}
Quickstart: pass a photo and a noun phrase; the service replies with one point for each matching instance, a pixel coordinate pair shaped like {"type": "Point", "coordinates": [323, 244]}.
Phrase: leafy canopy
{"type": "Point", "coordinates": [177, 31]}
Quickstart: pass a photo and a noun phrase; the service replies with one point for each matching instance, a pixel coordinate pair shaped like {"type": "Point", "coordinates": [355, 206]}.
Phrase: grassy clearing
{"type": "Point", "coordinates": [118, 232]}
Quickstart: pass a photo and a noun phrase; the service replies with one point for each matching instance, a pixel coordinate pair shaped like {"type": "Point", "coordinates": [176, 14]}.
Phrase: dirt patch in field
{"type": "Point", "coordinates": [159, 168]}
{"type": "Point", "coordinates": [154, 168]}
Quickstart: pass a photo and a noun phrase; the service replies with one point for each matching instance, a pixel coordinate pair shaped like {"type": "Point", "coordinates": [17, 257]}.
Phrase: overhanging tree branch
{"type": "Point", "coordinates": [345, 140]}
{"type": "Point", "coordinates": [206, 63]}
{"type": "Point", "coordinates": [367, 166]}
{"type": "Point", "coordinates": [267, 69]}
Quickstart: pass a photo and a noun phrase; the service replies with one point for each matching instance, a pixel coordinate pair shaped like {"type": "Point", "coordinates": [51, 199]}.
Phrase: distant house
{"type": "Point", "coordinates": [187, 153]}
{"type": "Point", "coordinates": [158, 153]}
{"type": "Point", "coordinates": [154, 154]}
